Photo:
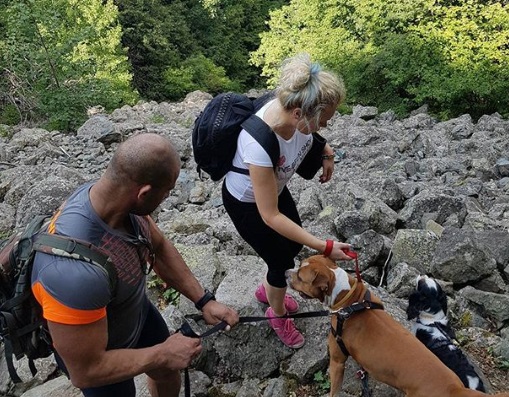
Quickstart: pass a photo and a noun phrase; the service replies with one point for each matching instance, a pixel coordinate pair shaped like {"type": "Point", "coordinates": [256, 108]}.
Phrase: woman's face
{"type": "Point", "coordinates": [308, 126]}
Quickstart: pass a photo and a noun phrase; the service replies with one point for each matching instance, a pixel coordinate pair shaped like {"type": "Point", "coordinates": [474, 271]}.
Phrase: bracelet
{"type": "Point", "coordinates": [206, 298]}
{"type": "Point", "coordinates": [329, 244]}
{"type": "Point", "coordinates": [328, 156]}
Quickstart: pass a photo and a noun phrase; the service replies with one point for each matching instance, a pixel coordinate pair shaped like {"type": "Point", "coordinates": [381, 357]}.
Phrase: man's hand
{"type": "Point", "coordinates": [179, 350]}
{"type": "Point", "coordinates": [215, 312]}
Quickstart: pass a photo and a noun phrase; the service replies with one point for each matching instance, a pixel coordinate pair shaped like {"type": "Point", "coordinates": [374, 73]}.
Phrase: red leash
{"type": "Point", "coordinates": [352, 254]}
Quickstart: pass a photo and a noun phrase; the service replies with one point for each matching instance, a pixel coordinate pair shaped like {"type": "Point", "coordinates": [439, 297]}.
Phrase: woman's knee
{"type": "Point", "coordinates": [276, 279]}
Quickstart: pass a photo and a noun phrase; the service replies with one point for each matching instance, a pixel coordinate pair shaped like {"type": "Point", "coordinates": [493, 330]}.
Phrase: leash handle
{"type": "Point", "coordinates": [354, 255]}
{"type": "Point", "coordinates": [186, 330]}
{"type": "Point", "coordinates": [350, 252]}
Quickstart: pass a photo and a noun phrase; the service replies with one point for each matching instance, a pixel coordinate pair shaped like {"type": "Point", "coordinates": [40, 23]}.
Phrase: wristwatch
{"type": "Point", "coordinates": [206, 298]}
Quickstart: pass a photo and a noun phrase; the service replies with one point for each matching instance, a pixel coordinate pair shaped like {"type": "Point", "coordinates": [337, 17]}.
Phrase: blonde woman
{"type": "Point", "coordinates": [261, 206]}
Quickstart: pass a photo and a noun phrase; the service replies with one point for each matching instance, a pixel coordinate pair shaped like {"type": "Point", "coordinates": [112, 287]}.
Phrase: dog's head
{"type": "Point", "coordinates": [428, 299]}
{"type": "Point", "coordinates": [316, 278]}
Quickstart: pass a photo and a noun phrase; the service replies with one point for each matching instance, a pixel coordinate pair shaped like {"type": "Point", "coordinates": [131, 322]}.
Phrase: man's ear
{"type": "Point", "coordinates": [143, 191]}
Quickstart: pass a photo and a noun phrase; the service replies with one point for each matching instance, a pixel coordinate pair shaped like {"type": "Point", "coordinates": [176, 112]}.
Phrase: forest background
{"type": "Point", "coordinates": [60, 57]}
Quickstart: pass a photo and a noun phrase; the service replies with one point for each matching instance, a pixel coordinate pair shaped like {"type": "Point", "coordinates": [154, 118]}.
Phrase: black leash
{"type": "Point", "coordinates": [363, 376]}
{"type": "Point", "coordinates": [188, 331]}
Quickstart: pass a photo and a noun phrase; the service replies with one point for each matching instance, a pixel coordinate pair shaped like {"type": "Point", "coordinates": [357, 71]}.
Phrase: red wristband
{"type": "Point", "coordinates": [329, 244]}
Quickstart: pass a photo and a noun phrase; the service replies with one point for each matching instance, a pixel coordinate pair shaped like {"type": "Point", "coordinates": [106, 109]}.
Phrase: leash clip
{"type": "Point", "coordinates": [343, 313]}
{"type": "Point", "coordinates": [361, 374]}
{"type": "Point", "coordinates": [367, 304]}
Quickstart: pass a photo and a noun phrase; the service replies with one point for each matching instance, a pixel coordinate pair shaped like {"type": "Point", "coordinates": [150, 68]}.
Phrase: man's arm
{"type": "Point", "coordinates": [171, 267]}
{"type": "Point", "coordinates": [83, 349]}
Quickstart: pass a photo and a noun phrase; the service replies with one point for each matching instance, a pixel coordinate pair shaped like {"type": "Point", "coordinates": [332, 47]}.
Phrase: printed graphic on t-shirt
{"type": "Point", "coordinates": [129, 259]}
{"type": "Point", "coordinates": [125, 257]}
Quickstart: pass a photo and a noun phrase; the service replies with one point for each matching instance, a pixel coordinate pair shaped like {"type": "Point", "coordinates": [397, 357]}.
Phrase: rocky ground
{"type": "Point", "coordinates": [416, 195]}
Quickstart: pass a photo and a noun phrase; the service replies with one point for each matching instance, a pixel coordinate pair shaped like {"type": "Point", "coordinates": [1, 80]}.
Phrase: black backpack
{"type": "Point", "coordinates": [22, 327]}
{"type": "Point", "coordinates": [217, 127]}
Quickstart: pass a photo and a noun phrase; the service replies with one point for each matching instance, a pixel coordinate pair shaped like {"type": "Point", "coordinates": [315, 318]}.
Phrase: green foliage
{"type": "Point", "coordinates": [197, 72]}
{"type": "Point", "coordinates": [453, 56]}
{"type": "Point", "coordinates": [168, 295]}
{"type": "Point", "coordinates": [230, 31]}
{"type": "Point", "coordinates": [158, 36]}
{"type": "Point", "coordinates": [500, 362]}
{"type": "Point", "coordinates": [4, 235]}
{"type": "Point", "coordinates": [9, 115]}
{"type": "Point", "coordinates": [169, 42]}
{"type": "Point", "coordinates": [60, 57]}
{"type": "Point", "coordinates": [157, 119]}
{"type": "Point", "coordinates": [466, 319]}
{"type": "Point", "coordinates": [66, 56]}
{"type": "Point", "coordinates": [5, 133]}
{"type": "Point", "coordinates": [503, 364]}
{"type": "Point", "coordinates": [322, 381]}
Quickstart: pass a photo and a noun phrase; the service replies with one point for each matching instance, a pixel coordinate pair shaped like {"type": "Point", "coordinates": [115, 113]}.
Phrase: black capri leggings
{"type": "Point", "coordinates": [277, 251]}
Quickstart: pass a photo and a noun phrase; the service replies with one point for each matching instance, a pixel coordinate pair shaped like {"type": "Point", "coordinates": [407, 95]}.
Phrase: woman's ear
{"type": "Point", "coordinates": [297, 113]}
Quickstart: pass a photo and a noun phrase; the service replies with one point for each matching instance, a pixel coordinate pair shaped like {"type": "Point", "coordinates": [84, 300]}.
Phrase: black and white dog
{"type": "Point", "coordinates": [428, 306]}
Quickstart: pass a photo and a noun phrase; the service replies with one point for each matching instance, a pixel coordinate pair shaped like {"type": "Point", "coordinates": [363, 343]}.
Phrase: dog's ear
{"type": "Point", "coordinates": [324, 284]}
{"type": "Point", "coordinates": [416, 303]}
{"type": "Point", "coordinates": [442, 298]}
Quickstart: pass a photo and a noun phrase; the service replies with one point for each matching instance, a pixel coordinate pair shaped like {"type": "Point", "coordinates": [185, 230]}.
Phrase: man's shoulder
{"type": "Point", "coordinates": [71, 282]}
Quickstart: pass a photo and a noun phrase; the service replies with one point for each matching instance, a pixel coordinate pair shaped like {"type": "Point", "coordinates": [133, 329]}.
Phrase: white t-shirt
{"type": "Point", "coordinates": [249, 151]}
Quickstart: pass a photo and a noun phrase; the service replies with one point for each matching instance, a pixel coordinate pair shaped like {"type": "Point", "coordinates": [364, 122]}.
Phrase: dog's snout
{"type": "Point", "coordinates": [289, 276]}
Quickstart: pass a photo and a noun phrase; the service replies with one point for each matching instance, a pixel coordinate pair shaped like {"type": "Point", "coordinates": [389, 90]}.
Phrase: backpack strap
{"type": "Point", "coordinates": [67, 247]}
{"type": "Point", "coordinates": [29, 242]}
{"type": "Point", "coordinates": [12, 344]}
{"type": "Point", "coordinates": [264, 135]}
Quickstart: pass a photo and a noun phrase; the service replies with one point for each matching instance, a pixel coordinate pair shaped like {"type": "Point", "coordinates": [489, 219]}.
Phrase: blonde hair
{"type": "Point", "coordinates": [304, 84]}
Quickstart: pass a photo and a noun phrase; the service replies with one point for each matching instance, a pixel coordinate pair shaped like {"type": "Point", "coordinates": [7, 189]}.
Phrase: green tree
{"type": "Point", "coordinates": [158, 36]}
{"type": "Point", "coordinates": [162, 36]}
{"type": "Point", "coordinates": [233, 30]}
{"type": "Point", "coordinates": [197, 73]}
{"type": "Point", "coordinates": [63, 56]}
{"type": "Point", "coordinates": [452, 55]}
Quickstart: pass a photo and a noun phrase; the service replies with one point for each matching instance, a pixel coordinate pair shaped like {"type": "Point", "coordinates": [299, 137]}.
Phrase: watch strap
{"type": "Point", "coordinates": [206, 298]}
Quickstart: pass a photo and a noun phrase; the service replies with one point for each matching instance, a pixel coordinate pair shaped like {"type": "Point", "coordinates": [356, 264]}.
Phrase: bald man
{"type": "Point", "coordinates": [104, 338]}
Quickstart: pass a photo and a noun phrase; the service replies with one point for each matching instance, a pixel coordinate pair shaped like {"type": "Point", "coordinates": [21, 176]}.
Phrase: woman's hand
{"type": "Point", "coordinates": [327, 164]}
{"type": "Point", "coordinates": [327, 170]}
{"type": "Point", "coordinates": [338, 251]}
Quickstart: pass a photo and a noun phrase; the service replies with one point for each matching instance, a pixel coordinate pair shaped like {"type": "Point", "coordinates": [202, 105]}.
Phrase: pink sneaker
{"type": "Point", "coordinates": [291, 304]}
{"type": "Point", "coordinates": [285, 330]}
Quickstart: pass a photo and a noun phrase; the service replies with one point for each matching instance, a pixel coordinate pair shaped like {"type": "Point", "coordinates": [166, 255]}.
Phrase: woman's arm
{"type": "Point", "coordinates": [265, 192]}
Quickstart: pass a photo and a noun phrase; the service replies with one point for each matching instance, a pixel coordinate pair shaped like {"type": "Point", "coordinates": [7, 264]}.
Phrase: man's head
{"type": "Point", "coordinates": [147, 166]}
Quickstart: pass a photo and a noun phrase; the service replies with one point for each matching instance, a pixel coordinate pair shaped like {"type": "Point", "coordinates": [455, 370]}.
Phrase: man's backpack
{"type": "Point", "coordinates": [217, 127]}
{"type": "Point", "coordinates": [22, 327]}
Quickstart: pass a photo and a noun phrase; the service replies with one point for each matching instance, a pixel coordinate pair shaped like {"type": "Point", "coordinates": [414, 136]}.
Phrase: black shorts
{"type": "Point", "coordinates": [277, 251]}
{"type": "Point", "coordinates": [154, 331]}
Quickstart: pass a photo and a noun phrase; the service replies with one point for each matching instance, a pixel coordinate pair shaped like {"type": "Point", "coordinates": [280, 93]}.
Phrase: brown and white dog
{"type": "Point", "coordinates": [382, 346]}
